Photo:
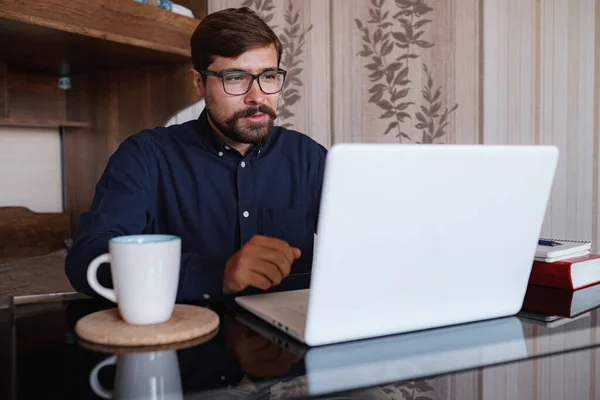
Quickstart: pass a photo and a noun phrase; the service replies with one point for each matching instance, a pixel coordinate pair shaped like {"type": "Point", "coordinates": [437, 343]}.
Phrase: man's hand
{"type": "Point", "coordinates": [263, 262]}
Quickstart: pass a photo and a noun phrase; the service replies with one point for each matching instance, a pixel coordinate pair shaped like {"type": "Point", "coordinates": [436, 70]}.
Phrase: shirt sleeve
{"type": "Point", "coordinates": [123, 205]}
{"type": "Point", "coordinates": [321, 160]}
{"type": "Point", "coordinates": [120, 207]}
{"type": "Point", "coordinates": [201, 278]}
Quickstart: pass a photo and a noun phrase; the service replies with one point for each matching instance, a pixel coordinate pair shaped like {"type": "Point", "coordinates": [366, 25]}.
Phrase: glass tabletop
{"type": "Point", "coordinates": [246, 358]}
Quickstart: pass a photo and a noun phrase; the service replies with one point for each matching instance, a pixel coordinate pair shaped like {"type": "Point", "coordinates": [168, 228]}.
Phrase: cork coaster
{"type": "Point", "coordinates": [107, 328]}
{"type": "Point", "coordinates": [113, 349]}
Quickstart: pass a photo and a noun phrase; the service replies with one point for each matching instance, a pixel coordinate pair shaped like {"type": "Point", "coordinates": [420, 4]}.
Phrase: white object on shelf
{"type": "Point", "coordinates": [187, 114]}
{"type": "Point", "coordinates": [177, 9]}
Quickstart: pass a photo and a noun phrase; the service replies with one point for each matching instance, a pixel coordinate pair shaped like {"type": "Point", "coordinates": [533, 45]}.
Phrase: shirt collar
{"type": "Point", "coordinates": [217, 145]}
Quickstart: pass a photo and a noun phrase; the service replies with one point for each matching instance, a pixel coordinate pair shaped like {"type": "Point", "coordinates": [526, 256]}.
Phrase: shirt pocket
{"type": "Point", "coordinates": [294, 225]}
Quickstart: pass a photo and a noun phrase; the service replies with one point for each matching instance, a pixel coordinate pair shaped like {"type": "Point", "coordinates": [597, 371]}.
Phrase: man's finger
{"type": "Point", "coordinates": [259, 281]}
{"type": "Point", "coordinates": [269, 270]}
{"type": "Point", "coordinates": [277, 244]}
{"type": "Point", "coordinates": [276, 258]}
{"type": "Point", "coordinates": [297, 253]}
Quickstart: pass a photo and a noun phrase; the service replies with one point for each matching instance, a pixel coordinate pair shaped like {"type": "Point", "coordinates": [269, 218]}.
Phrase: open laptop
{"type": "Point", "coordinates": [412, 237]}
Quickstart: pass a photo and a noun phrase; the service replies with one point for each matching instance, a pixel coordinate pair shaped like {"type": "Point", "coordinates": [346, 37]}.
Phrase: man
{"type": "Point", "coordinates": [242, 194]}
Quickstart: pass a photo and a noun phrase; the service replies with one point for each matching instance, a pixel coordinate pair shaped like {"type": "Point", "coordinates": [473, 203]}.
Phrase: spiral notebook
{"type": "Point", "coordinates": [559, 249]}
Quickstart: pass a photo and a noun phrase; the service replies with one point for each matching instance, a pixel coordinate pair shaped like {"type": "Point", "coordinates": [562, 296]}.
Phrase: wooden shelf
{"type": "Point", "coordinates": [90, 35]}
{"type": "Point", "coordinates": [42, 123]}
{"type": "Point", "coordinates": [129, 65]}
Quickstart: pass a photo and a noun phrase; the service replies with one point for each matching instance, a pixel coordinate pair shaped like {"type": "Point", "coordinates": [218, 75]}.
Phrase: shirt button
{"type": "Point", "coordinates": [220, 154]}
{"type": "Point", "coordinates": [226, 147]}
{"type": "Point", "coordinates": [246, 214]}
{"type": "Point", "coordinates": [243, 164]}
{"type": "Point", "coordinates": [206, 296]}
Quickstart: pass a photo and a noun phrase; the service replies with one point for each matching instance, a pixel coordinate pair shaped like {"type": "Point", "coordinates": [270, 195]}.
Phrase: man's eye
{"type": "Point", "coordinates": [269, 76]}
{"type": "Point", "coordinates": [234, 78]}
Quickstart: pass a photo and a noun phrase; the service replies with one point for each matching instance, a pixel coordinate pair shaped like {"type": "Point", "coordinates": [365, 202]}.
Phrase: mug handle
{"type": "Point", "coordinates": [93, 279]}
{"type": "Point", "coordinates": [95, 383]}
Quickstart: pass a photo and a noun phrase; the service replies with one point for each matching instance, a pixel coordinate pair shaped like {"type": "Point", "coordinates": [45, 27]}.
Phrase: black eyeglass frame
{"type": "Point", "coordinates": [254, 77]}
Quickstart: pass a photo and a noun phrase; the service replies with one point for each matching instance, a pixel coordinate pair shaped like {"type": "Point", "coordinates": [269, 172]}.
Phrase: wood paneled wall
{"type": "Point", "coordinates": [3, 91]}
{"type": "Point", "coordinates": [541, 77]}
{"type": "Point", "coordinates": [117, 104]}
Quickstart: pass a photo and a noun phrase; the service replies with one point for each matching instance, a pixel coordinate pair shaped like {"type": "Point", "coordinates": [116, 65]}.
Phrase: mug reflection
{"type": "Point", "coordinates": [152, 375]}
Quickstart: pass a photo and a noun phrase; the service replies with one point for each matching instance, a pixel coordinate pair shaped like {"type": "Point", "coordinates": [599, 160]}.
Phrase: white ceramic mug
{"type": "Point", "coordinates": [153, 375]}
{"type": "Point", "coordinates": [145, 274]}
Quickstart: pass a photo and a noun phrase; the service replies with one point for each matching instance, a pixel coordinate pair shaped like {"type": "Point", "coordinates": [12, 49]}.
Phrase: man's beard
{"type": "Point", "coordinates": [241, 131]}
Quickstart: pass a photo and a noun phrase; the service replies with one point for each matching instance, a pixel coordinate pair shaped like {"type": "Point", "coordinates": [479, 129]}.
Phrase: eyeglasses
{"type": "Point", "coordinates": [237, 83]}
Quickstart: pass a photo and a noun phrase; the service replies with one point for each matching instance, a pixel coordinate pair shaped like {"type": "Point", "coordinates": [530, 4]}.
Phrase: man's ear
{"type": "Point", "coordinates": [197, 79]}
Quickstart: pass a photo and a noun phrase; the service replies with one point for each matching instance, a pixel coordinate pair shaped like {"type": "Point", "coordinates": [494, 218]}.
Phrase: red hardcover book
{"type": "Point", "coordinates": [572, 273]}
{"type": "Point", "coordinates": [561, 302]}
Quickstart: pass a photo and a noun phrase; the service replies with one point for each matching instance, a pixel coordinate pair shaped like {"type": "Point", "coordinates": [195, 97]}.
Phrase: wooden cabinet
{"type": "Point", "coordinates": [128, 67]}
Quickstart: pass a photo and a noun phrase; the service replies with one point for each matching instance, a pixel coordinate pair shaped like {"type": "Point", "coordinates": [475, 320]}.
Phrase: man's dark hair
{"type": "Point", "coordinates": [229, 33]}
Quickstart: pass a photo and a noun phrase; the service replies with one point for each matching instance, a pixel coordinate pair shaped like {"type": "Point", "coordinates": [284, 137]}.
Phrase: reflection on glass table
{"type": "Point", "coordinates": [247, 358]}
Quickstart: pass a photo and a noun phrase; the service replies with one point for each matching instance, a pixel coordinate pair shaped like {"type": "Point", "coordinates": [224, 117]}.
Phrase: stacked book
{"type": "Point", "coordinates": [566, 264]}
{"type": "Point", "coordinates": [564, 279]}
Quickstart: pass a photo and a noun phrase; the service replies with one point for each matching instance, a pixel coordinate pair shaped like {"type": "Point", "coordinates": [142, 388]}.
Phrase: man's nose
{"type": "Point", "coordinates": [254, 95]}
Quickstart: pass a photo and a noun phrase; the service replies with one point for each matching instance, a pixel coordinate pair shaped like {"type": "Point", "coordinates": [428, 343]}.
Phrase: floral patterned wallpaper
{"type": "Point", "coordinates": [406, 31]}
{"type": "Point", "coordinates": [292, 36]}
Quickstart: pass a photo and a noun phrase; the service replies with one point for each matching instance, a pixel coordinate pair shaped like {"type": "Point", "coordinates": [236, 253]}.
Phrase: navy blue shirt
{"type": "Point", "coordinates": [184, 180]}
